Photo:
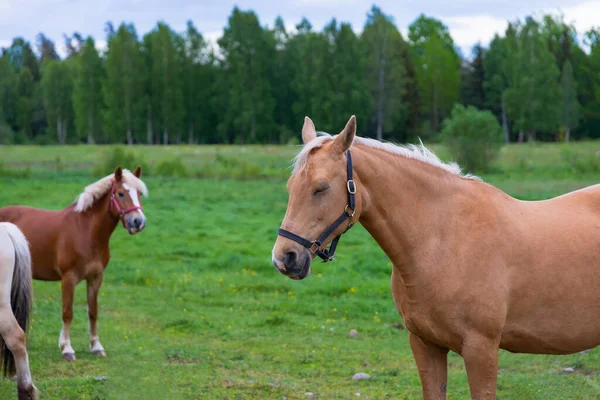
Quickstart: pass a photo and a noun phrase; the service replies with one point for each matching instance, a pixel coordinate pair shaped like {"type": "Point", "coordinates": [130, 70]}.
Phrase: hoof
{"type": "Point", "coordinates": [101, 353]}
{"type": "Point", "coordinates": [31, 393]}
{"type": "Point", "coordinates": [69, 356]}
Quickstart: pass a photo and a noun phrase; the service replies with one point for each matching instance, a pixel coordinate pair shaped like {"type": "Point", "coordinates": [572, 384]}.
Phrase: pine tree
{"type": "Point", "coordinates": [8, 93]}
{"type": "Point", "coordinates": [46, 48]}
{"type": "Point", "coordinates": [472, 81]}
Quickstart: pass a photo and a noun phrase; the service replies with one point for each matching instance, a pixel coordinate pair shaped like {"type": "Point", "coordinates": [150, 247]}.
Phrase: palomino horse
{"type": "Point", "coordinates": [16, 296]}
{"type": "Point", "coordinates": [474, 270]}
{"type": "Point", "coordinates": [72, 245]}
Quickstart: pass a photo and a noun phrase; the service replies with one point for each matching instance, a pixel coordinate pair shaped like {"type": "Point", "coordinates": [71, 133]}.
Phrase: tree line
{"type": "Point", "coordinates": [259, 82]}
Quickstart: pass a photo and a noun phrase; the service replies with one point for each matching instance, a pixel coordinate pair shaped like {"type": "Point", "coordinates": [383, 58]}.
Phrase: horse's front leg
{"type": "Point", "coordinates": [93, 287]}
{"type": "Point", "coordinates": [432, 363]}
{"type": "Point", "coordinates": [481, 361]}
{"type": "Point", "coordinates": [68, 291]}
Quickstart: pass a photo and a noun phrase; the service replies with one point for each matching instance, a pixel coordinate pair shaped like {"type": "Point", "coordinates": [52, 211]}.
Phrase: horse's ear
{"type": "Point", "coordinates": [308, 130]}
{"type": "Point", "coordinates": [344, 140]}
{"type": "Point", "coordinates": [118, 174]}
{"type": "Point", "coordinates": [138, 172]}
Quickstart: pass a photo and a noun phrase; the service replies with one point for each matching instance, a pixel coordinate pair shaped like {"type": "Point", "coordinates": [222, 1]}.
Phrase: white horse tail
{"type": "Point", "coordinates": [21, 292]}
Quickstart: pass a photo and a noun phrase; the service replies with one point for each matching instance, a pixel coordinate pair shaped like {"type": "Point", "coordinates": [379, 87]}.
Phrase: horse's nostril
{"type": "Point", "coordinates": [290, 258]}
{"type": "Point", "coordinates": [137, 222]}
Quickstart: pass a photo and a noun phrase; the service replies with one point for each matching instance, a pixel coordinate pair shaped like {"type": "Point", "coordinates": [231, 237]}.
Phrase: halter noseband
{"type": "Point", "coordinates": [315, 246]}
{"type": "Point", "coordinates": [115, 203]}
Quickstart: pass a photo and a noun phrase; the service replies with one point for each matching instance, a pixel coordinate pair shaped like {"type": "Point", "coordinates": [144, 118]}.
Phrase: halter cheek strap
{"type": "Point", "coordinates": [315, 246]}
{"type": "Point", "coordinates": [114, 203]}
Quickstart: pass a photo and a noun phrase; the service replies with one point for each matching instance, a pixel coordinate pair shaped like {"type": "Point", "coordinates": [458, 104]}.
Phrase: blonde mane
{"type": "Point", "coordinates": [99, 188]}
{"type": "Point", "coordinates": [412, 151]}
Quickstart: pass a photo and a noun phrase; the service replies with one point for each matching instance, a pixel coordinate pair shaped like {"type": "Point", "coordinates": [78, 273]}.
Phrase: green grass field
{"type": "Point", "coordinates": [192, 308]}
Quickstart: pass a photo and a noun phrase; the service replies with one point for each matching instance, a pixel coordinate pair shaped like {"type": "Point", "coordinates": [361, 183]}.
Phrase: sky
{"type": "Point", "coordinates": [469, 21]}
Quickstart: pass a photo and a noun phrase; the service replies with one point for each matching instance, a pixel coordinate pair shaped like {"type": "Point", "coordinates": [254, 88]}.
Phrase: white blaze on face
{"type": "Point", "coordinates": [133, 193]}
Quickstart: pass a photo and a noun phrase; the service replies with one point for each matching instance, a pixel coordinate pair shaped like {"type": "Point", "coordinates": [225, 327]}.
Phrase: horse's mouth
{"type": "Point", "coordinates": [304, 272]}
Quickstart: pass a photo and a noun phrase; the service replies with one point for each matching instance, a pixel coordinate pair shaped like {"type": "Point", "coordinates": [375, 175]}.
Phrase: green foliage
{"type": "Point", "coordinates": [8, 91]}
{"type": "Point", "coordinates": [473, 136]}
{"type": "Point", "coordinates": [247, 49]}
{"type": "Point", "coordinates": [25, 101]}
{"type": "Point", "coordinates": [570, 104]}
{"type": "Point", "coordinates": [257, 85]}
{"type": "Point", "coordinates": [534, 96]}
{"type": "Point", "coordinates": [472, 79]}
{"type": "Point", "coordinates": [87, 92]}
{"type": "Point", "coordinates": [116, 156]}
{"type": "Point", "coordinates": [174, 168]}
{"type": "Point", "coordinates": [123, 87]}
{"type": "Point", "coordinates": [588, 162]}
{"type": "Point", "coordinates": [438, 71]}
{"type": "Point", "coordinates": [386, 55]}
{"type": "Point", "coordinates": [57, 83]}
{"type": "Point", "coordinates": [166, 83]}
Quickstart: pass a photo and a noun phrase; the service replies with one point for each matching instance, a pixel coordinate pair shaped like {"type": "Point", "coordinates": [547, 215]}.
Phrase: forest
{"type": "Point", "coordinates": [540, 79]}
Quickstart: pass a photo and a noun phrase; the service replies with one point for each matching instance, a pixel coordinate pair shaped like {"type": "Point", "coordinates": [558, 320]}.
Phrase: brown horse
{"type": "Point", "coordinates": [72, 245]}
{"type": "Point", "coordinates": [474, 270]}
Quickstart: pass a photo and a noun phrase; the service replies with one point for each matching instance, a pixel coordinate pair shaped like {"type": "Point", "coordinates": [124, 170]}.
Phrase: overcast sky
{"type": "Point", "coordinates": [470, 21]}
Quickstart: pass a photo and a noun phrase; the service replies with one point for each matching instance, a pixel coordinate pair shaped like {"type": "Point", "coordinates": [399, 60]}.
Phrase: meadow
{"type": "Point", "coordinates": [192, 307]}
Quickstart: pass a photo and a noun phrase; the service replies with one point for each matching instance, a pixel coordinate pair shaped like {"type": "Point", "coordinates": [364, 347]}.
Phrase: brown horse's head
{"type": "Point", "coordinates": [126, 200]}
{"type": "Point", "coordinates": [318, 195]}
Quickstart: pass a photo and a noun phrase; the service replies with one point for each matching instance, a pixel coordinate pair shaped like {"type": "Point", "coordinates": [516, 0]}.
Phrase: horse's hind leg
{"type": "Point", "coordinates": [64, 341]}
{"type": "Point", "coordinates": [432, 362]}
{"type": "Point", "coordinates": [14, 337]}
{"type": "Point", "coordinates": [93, 286]}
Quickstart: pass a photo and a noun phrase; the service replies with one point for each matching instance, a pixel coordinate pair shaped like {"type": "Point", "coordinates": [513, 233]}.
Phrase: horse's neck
{"type": "Point", "coordinates": [406, 204]}
{"type": "Point", "coordinates": [99, 221]}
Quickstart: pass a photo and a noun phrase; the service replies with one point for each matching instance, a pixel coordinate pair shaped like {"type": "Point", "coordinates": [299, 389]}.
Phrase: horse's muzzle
{"type": "Point", "coordinates": [294, 265]}
{"type": "Point", "coordinates": [136, 224]}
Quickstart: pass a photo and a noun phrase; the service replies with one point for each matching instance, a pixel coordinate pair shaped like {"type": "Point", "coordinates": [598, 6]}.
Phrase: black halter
{"type": "Point", "coordinates": [315, 246]}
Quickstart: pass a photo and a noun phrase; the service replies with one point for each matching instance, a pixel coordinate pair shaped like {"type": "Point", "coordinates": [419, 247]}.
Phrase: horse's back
{"type": "Point", "coordinates": [42, 229]}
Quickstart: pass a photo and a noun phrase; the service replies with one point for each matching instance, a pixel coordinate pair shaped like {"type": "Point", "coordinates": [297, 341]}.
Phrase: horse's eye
{"type": "Point", "coordinates": [121, 194]}
{"type": "Point", "coordinates": [320, 189]}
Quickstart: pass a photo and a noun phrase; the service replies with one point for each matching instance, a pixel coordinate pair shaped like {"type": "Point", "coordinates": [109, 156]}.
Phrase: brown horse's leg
{"type": "Point", "coordinates": [14, 337]}
{"type": "Point", "coordinates": [481, 361]}
{"type": "Point", "coordinates": [432, 362]}
{"type": "Point", "coordinates": [64, 342]}
{"type": "Point", "coordinates": [93, 286]}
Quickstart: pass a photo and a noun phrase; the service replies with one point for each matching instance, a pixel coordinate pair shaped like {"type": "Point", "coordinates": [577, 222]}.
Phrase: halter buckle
{"type": "Point", "coordinates": [314, 248]}
{"type": "Point", "coordinates": [351, 185]}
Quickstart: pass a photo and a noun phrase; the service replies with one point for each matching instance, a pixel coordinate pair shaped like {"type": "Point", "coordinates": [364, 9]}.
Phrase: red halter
{"type": "Point", "coordinates": [113, 201]}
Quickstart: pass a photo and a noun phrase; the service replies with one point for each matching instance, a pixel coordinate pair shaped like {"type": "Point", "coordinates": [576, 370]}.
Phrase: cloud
{"type": "Point", "coordinates": [325, 3]}
{"type": "Point", "coordinates": [467, 31]}
{"type": "Point", "coordinates": [584, 16]}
